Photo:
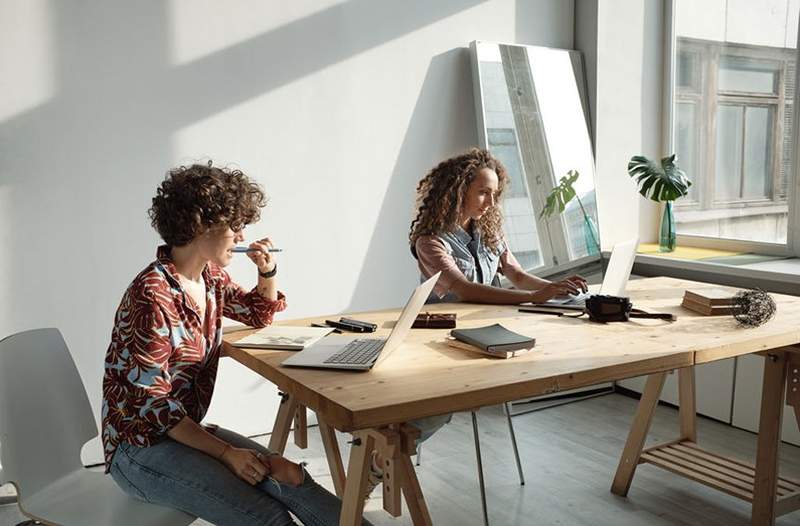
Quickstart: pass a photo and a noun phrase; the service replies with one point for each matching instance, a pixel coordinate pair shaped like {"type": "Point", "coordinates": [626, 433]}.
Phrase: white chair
{"type": "Point", "coordinates": [45, 419]}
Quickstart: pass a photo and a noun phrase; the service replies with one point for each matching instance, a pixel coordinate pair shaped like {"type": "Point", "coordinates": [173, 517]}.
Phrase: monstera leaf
{"type": "Point", "coordinates": [560, 195]}
{"type": "Point", "coordinates": [659, 183]}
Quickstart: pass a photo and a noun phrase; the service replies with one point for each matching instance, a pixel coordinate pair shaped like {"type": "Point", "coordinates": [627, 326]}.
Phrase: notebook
{"type": "Point", "coordinates": [452, 342]}
{"type": "Point", "coordinates": [283, 337]}
{"type": "Point", "coordinates": [710, 297]}
{"type": "Point", "coordinates": [494, 338]}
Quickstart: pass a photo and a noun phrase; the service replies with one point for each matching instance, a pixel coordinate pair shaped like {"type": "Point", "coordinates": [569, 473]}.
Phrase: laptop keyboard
{"type": "Point", "coordinates": [358, 352]}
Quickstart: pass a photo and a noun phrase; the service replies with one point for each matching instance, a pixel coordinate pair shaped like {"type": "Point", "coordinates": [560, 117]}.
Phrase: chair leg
{"type": "Point", "coordinates": [480, 468]}
{"type": "Point", "coordinates": [419, 453]}
{"type": "Point", "coordinates": [514, 443]}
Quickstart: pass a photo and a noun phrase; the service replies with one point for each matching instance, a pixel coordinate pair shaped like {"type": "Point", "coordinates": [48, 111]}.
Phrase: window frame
{"type": "Point", "coordinates": [669, 101]}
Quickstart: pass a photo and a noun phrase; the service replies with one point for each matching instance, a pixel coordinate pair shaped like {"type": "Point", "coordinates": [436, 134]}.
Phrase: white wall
{"type": "Point", "coordinates": [622, 40]}
{"type": "Point", "coordinates": [763, 23]}
{"type": "Point", "coordinates": [337, 108]}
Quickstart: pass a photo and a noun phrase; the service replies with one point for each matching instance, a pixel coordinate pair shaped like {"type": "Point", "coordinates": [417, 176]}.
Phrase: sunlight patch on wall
{"type": "Point", "coordinates": [26, 56]}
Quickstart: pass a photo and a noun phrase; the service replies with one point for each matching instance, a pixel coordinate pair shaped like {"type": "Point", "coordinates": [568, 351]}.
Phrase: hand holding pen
{"type": "Point", "coordinates": [261, 253]}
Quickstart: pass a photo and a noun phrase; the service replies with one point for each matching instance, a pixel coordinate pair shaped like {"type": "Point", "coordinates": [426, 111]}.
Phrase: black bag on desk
{"type": "Point", "coordinates": [602, 308]}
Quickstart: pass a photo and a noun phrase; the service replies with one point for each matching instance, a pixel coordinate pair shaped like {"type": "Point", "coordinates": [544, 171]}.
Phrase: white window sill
{"type": "Point", "coordinates": [781, 276]}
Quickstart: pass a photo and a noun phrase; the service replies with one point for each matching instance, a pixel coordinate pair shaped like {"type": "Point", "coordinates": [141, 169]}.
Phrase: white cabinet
{"type": "Point", "coordinates": [713, 386]}
{"type": "Point", "coordinates": [747, 399]}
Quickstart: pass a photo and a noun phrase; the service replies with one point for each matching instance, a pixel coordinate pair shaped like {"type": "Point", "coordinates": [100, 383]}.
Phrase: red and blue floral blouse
{"type": "Point", "coordinates": [161, 366]}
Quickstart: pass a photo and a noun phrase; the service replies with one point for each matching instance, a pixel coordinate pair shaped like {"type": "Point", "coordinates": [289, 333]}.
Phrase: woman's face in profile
{"type": "Point", "coordinates": [481, 194]}
{"type": "Point", "coordinates": [217, 243]}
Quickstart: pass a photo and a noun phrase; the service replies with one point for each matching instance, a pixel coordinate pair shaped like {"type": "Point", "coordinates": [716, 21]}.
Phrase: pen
{"type": "Point", "coordinates": [248, 249]}
{"type": "Point", "coordinates": [541, 311]}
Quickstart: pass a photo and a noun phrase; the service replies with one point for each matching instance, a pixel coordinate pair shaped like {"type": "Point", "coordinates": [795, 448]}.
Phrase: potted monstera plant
{"type": "Point", "coordinates": [557, 201]}
{"type": "Point", "coordinates": [663, 183]}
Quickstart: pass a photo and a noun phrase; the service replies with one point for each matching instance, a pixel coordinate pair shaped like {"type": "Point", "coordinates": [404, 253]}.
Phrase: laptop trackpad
{"type": "Point", "coordinates": [320, 350]}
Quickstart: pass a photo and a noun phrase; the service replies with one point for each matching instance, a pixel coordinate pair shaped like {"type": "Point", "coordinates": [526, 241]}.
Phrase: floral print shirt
{"type": "Point", "coordinates": [161, 365]}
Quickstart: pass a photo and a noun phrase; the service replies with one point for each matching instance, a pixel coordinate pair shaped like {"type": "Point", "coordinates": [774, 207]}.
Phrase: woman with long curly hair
{"type": "Point", "coordinates": [161, 365]}
{"type": "Point", "coordinates": [458, 230]}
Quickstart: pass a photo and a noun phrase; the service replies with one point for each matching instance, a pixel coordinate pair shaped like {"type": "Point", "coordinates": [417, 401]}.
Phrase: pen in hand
{"type": "Point", "coordinates": [243, 250]}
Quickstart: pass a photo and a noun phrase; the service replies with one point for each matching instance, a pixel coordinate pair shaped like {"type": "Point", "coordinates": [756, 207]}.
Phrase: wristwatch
{"type": "Point", "coordinates": [270, 274]}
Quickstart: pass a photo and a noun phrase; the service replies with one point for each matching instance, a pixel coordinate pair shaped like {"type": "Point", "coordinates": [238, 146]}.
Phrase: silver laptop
{"type": "Point", "coordinates": [349, 352]}
{"type": "Point", "coordinates": [615, 280]}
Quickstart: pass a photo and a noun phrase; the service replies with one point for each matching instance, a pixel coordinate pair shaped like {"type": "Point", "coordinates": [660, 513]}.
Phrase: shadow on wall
{"type": "Point", "coordinates": [442, 124]}
{"type": "Point", "coordinates": [81, 168]}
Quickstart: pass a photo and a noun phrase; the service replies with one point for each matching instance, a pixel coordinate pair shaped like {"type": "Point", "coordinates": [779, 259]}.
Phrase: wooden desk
{"type": "Point", "coordinates": [425, 377]}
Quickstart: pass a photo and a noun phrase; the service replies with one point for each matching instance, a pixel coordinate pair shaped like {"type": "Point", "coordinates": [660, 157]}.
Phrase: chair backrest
{"type": "Point", "coordinates": [45, 415]}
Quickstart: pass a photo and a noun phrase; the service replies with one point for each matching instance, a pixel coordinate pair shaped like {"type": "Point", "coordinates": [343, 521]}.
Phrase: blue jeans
{"type": "Point", "coordinates": [172, 474]}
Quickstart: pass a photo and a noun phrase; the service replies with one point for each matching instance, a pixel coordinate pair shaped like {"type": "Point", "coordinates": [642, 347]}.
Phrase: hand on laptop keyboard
{"type": "Point", "coordinates": [571, 286]}
{"type": "Point", "coordinates": [570, 299]}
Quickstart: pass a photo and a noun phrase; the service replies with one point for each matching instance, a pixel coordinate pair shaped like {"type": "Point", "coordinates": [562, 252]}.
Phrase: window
{"type": "Point", "coordinates": [520, 220]}
{"type": "Point", "coordinates": [732, 118]}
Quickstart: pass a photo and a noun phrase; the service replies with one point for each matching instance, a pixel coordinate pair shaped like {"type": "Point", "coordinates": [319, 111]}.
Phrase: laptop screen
{"type": "Point", "coordinates": [407, 317]}
{"type": "Point", "coordinates": [619, 268]}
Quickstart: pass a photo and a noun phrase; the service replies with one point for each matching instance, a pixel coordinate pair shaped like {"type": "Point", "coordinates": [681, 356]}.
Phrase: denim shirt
{"type": "Point", "coordinates": [476, 261]}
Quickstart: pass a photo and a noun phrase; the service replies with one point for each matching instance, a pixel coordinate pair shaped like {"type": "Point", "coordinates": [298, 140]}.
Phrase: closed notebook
{"type": "Point", "coordinates": [494, 338]}
{"type": "Point", "coordinates": [711, 297]}
{"type": "Point", "coordinates": [286, 338]}
{"type": "Point", "coordinates": [707, 310]}
{"type": "Point", "coordinates": [452, 342]}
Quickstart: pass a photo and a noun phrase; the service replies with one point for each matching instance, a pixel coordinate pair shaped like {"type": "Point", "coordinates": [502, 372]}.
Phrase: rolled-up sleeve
{"type": "Point", "coordinates": [250, 308]}
{"type": "Point", "coordinates": [433, 257]}
{"type": "Point", "coordinates": [509, 266]}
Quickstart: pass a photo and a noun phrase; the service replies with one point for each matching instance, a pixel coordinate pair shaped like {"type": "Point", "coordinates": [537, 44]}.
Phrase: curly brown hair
{"type": "Point", "coordinates": [194, 198]}
{"type": "Point", "coordinates": [440, 195]}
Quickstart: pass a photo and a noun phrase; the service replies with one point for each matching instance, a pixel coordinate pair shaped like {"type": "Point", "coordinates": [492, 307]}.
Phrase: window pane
{"type": "Point", "coordinates": [742, 75]}
{"type": "Point", "coordinates": [686, 70]}
{"type": "Point", "coordinates": [519, 218]}
{"type": "Point", "coordinates": [735, 63]}
{"type": "Point", "coordinates": [685, 139]}
{"type": "Point", "coordinates": [758, 124]}
{"type": "Point", "coordinates": [729, 152]}
{"type": "Point", "coordinates": [503, 144]}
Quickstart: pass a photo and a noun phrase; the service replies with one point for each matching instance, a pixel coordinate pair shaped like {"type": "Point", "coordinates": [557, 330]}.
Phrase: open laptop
{"type": "Point", "coordinates": [356, 353]}
{"type": "Point", "coordinates": [615, 280]}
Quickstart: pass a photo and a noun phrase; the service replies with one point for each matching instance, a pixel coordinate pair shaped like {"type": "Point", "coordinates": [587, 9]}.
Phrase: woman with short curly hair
{"type": "Point", "coordinates": [161, 365]}
{"type": "Point", "coordinates": [458, 230]}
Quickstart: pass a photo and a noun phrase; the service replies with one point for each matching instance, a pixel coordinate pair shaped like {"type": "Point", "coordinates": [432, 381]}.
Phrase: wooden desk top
{"type": "Point", "coordinates": [426, 377]}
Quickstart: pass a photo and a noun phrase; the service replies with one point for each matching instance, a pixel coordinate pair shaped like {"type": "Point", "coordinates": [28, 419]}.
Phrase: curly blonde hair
{"type": "Point", "coordinates": [441, 193]}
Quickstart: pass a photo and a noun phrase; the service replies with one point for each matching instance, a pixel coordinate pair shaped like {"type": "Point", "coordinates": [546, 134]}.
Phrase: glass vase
{"type": "Point", "coordinates": [666, 238]}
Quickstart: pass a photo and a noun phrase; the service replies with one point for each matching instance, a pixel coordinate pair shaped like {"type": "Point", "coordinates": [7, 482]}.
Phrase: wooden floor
{"type": "Point", "coordinates": [569, 454]}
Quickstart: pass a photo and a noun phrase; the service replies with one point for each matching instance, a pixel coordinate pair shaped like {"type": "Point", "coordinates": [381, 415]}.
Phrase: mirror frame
{"type": "Point", "coordinates": [589, 262]}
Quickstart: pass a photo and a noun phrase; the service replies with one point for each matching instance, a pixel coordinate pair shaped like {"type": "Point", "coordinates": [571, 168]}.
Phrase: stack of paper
{"type": "Point", "coordinates": [283, 337]}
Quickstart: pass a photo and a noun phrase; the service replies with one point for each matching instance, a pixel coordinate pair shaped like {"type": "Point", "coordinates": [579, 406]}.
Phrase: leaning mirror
{"type": "Point", "coordinates": [532, 115]}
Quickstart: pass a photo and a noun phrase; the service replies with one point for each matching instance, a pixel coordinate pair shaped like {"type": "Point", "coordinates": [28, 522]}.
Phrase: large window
{"type": "Point", "coordinates": [733, 117]}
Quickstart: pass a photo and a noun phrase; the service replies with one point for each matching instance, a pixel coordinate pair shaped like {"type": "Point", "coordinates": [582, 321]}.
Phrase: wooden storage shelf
{"type": "Point", "coordinates": [731, 476]}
